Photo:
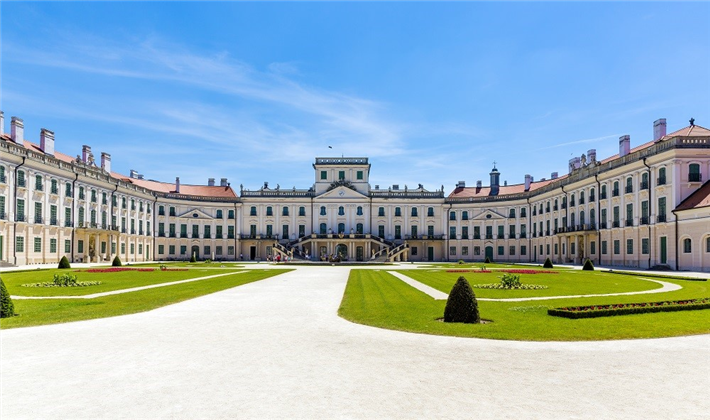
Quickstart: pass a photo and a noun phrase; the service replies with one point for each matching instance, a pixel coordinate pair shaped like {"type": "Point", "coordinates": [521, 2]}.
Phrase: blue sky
{"type": "Point", "coordinates": [433, 93]}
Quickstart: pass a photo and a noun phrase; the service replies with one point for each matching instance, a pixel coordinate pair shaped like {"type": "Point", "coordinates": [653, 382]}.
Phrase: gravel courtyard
{"type": "Point", "coordinates": [277, 349]}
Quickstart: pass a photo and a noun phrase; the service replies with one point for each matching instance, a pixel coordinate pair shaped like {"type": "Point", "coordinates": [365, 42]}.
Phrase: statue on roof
{"type": "Point", "coordinates": [90, 159]}
{"type": "Point", "coordinates": [583, 159]}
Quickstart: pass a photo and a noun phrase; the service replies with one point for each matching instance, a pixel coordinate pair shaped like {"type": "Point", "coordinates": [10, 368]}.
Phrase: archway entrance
{"type": "Point", "coordinates": [195, 251]}
{"type": "Point", "coordinates": [489, 252]}
{"type": "Point", "coordinates": [341, 251]}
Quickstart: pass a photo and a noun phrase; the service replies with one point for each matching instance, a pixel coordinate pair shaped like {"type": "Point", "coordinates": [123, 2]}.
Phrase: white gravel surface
{"type": "Point", "coordinates": [276, 349]}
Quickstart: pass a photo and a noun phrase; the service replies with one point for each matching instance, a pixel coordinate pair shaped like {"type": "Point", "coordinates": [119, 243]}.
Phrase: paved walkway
{"type": "Point", "coordinates": [439, 295]}
{"type": "Point", "coordinates": [276, 349]}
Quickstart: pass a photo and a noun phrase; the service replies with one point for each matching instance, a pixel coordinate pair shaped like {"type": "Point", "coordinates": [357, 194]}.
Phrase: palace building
{"type": "Point", "coordinates": [647, 206]}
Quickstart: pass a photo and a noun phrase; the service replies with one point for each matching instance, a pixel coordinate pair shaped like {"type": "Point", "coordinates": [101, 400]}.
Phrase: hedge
{"type": "Point", "coordinates": [596, 311]}
{"type": "Point", "coordinates": [64, 263]}
{"type": "Point", "coordinates": [7, 308]}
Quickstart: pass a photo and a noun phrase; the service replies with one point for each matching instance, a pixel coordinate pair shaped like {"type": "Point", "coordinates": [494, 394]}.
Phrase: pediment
{"type": "Point", "coordinates": [489, 215]}
{"type": "Point", "coordinates": [341, 193]}
{"type": "Point", "coordinates": [195, 214]}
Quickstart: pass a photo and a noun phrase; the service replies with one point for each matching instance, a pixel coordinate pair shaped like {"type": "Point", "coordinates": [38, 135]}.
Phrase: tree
{"type": "Point", "coordinates": [64, 262]}
{"type": "Point", "coordinates": [462, 305]}
{"type": "Point", "coordinates": [548, 263]}
{"type": "Point", "coordinates": [7, 308]}
{"type": "Point", "coordinates": [588, 266]}
{"type": "Point", "coordinates": [116, 262]}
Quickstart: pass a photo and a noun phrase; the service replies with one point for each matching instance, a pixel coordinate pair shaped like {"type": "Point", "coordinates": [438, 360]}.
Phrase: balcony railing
{"type": "Point", "coordinates": [38, 187]}
{"type": "Point", "coordinates": [661, 180]}
{"type": "Point", "coordinates": [489, 236]}
{"type": "Point", "coordinates": [547, 232]}
{"type": "Point", "coordinates": [644, 220]}
{"type": "Point", "coordinates": [523, 236]}
{"type": "Point", "coordinates": [629, 189]}
{"type": "Point", "coordinates": [54, 191]}
{"type": "Point", "coordinates": [3, 216]}
{"type": "Point", "coordinates": [592, 198]}
{"type": "Point", "coordinates": [695, 177]}
{"type": "Point", "coordinates": [67, 223]}
{"type": "Point", "coordinates": [21, 182]}
{"type": "Point", "coordinates": [564, 205]}
{"type": "Point", "coordinates": [554, 208]}
{"type": "Point", "coordinates": [629, 222]}
{"type": "Point", "coordinates": [230, 236]}
{"type": "Point", "coordinates": [183, 235]}
{"type": "Point", "coordinates": [53, 222]}
{"type": "Point", "coordinates": [615, 224]}
{"type": "Point", "coordinates": [476, 236]}
{"type": "Point", "coordinates": [161, 234]}
{"type": "Point", "coordinates": [644, 185]}
{"type": "Point", "coordinates": [661, 218]}
{"type": "Point", "coordinates": [615, 193]}
{"type": "Point", "coordinates": [39, 220]}
{"type": "Point", "coordinates": [462, 236]}
{"type": "Point", "coordinates": [602, 196]}
{"type": "Point", "coordinates": [602, 225]}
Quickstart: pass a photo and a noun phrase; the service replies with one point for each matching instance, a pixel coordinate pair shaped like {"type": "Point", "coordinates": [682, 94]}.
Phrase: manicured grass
{"type": "Point", "coordinates": [564, 283]}
{"type": "Point", "coordinates": [379, 299]}
{"type": "Point", "coordinates": [477, 265]}
{"type": "Point", "coordinates": [109, 281]}
{"type": "Point", "coordinates": [53, 311]}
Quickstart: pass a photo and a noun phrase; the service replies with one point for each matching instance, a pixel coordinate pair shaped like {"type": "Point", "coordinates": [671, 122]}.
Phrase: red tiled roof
{"type": "Point", "coordinates": [699, 198]}
{"type": "Point", "coordinates": [196, 190]}
{"type": "Point", "coordinates": [468, 192]}
{"type": "Point", "coordinates": [689, 131]}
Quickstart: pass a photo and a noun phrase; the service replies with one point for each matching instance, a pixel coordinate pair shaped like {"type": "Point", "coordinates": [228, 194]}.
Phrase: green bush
{"type": "Point", "coordinates": [588, 266]}
{"type": "Point", "coordinates": [116, 262]}
{"type": "Point", "coordinates": [7, 308]}
{"type": "Point", "coordinates": [460, 261]}
{"type": "Point", "coordinates": [510, 281]}
{"type": "Point", "coordinates": [548, 263]}
{"type": "Point", "coordinates": [487, 261]}
{"type": "Point", "coordinates": [208, 261]}
{"type": "Point", "coordinates": [596, 311]}
{"type": "Point", "coordinates": [64, 263]}
{"type": "Point", "coordinates": [192, 258]}
{"type": "Point", "coordinates": [462, 305]}
{"type": "Point", "coordinates": [65, 280]}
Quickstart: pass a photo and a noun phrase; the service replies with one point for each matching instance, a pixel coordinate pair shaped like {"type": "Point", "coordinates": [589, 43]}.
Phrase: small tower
{"type": "Point", "coordinates": [495, 180]}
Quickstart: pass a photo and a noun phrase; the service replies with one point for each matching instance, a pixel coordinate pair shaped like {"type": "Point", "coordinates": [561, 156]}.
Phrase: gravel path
{"type": "Point", "coordinates": [276, 349]}
{"type": "Point", "coordinates": [439, 295]}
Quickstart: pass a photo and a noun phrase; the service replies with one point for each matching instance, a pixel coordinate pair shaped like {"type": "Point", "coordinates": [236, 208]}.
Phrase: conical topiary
{"type": "Point", "coordinates": [462, 305]}
{"type": "Point", "coordinates": [588, 266]}
{"type": "Point", "coordinates": [116, 262]}
{"type": "Point", "coordinates": [548, 263]}
{"type": "Point", "coordinates": [64, 262]}
{"type": "Point", "coordinates": [7, 308]}
{"type": "Point", "coordinates": [487, 261]}
{"type": "Point", "coordinates": [193, 259]}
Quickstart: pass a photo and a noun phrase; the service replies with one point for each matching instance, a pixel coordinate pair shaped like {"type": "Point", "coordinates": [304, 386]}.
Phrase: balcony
{"type": "Point", "coordinates": [644, 185]}
{"type": "Point", "coordinates": [644, 220]}
{"type": "Point", "coordinates": [21, 183]}
{"type": "Point", "coordinates": [547, 232]}
{"type": "Point", "coordinates": [38, 220]}
{"type": "Point", "coordinates": [172, 213]}
{"type": "Point", "coordinates": [3, 216]}
{"type": "Point", "coordinates": [54, 191]}
{"type": "Point", "coordinates": [534, 212]}
{"type": "Point", "coordinates": [615, 193]}
{"type": "Point", "coordinates": [489, 236]}
{"type": "Point", "coordinates": [67, 223]}
{"type": "Point", "coordinates": [172, 235]}
{"type": "Point", "coordinates": [511, 216]}
{"type": "Point", "coordinates": [661, 218]}
{"type": "Point", "coordinates": [602, 225]}
{"type": "Point", "coordinates": [602, 196]}
{"type": "Point", "coordinates": [629, 189]}
{"type": "Point", "coordinates": [581, 200]}
{"type": "Point", "coordinates": [133, 231]}
{"type": "Point", "coordinates": [523, 235]}
{"type": "Point", "coordinates": [476, 236]}
{"type": "Point", "coordinates": [195, 236]}
{"type": "Point", "coordinates": [231, 216]}
{"type": "Point", "coordinates": [615, 224]}
{"type": "Point", "coordinates": [462, 236]}
{"type": "Point", "coordinates": [554, 208]}
{"type": "Point", "coordinates": [161, 234]}
{"type": "Point", "coordinates": [161, 212]}
{"type": "Point", "coordinates": [230, 236]}
{"type": "Point", "coordinates": [629, 222]}
{"type": "Point", "coordinates": [39, 187]}
{"type": "Point", "coordinates": [571, 203]}
{"type": "Point", "coordinates": [140, 232]}
{"type": "Point", "coordinates": [695, 177]}
{"type": "Point", "coordinates": [183, 235]}
{"type": "Point", "coordinates": [564, 205]}
{"type": "Point", "coordinates": [661, 180]}
{"type": "Point", "coordinates": [123, 230]}
{"type": "Point", "coordinates": [53, 222]}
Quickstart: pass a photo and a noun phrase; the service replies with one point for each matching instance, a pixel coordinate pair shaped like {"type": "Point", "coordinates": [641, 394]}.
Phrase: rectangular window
{"type": "Point", "coordinates": [218, 250]}
{"type": "Point", "coordinates": [629, 246]}
{"type": "Point", "coordinates": [161, 249]}
{"type": "Point", "coordinates": [644, 246]}
{"type": "Point", "coordinates": [359, 175]}
{"type": "Point", "coordinates": [230, 232]}
{"type": "Point", "coordinates": [415, 250]}
{"type": "Point", "coordinates": [323, 175]}
{"type": "Point", "coordinates": [464, 250]}
{"type": "Point", "coordinates": [604, 248]}
{"type": "Point", "coordinates": [38, 244]}
{"type": "Point", "coordinates": [452, 250]}
{"type": "Point", "coordinates": [53, 215]}
{"type": "Point", "coordinates": [511, 231]}
{"type": "Point", "coordinates": [195, 231]}
{"type": "Point", "coordinates": [501, 250]}
{"type": "Point", "coordinates": [113, 247]}
{"type": "Point", "coordinates": [67, 246]}
{"type": "Point", "coordinates": [501, 232]}
{"type": "Point", "coordinates": [230, 250]}
{"type": "Point", "coordinates": [476, 232]}
{"type": "Point", "coordinates": [557, 249]}
{"type": "Point", "coordinates": [661, 209]}
{"type": "Point", "coordinates": [171, 249]}
{"type": "Point", "coordinates": [207, 251]}
{"type": "Point", "coordinates": [80, 246]}
{"type": "Point", "coordinates": [20, 244]}
{"type": "Point", "coordinates": [123, 247]}
{"type": "Point", "coordinates": [183, 249]}
{"type": "Point", "coordinates": [430, 230]}
{"type": "Point", "coordinates": [284, 232]}
{"type": "Point", "coordinates": [511, 250]}
{"type": "Point", "coordinates": [452, 232]}
{"type": "Point", "coordinates": [397, 232]}
{"type": "Point", "coordinates": [476, 250]}
{"type": "Point", "coordinates": [208, 231]}
{"type": "Point", "coordinates": [592, 247]}
{"type": "Point", "coordinates": [341, 175]}
{"type": "Point", "coordinates": [133, 248]}
{"type": "Point", "coordinates": [617, 247]}
{"type": "Point", "coordinates": [53, 245]}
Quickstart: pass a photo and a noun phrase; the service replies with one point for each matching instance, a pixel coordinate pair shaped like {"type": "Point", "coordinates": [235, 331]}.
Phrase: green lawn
{"type": "Point", "coordinates": [564, 283]}
{"type": "Point", "coordinates": [379, 299]}
{"type": "Point", "coordinates": [53, 311]}
{"type": "Point", "coordinates": [109, 281]}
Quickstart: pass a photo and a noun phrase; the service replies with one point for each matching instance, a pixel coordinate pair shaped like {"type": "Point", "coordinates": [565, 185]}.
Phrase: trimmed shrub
{"type": "Point", "coordinates": [462, 305]}
{"type": "Point", "coordinates": [7, 308]}
{"type": "Point", "coordinates": [548, 263]}
{"type": "Point", "coordinates": [116, 262]}
{"type": "Point", "coordinates": [596, 311]}
{"type": "Point", "coordinates": [588, 266]}
{"type": "Point", "coordinates": [461, 262]}
{"type": "Point", "coordinates": [487, 261]}
{"type": "Point", "coordinates": [192, 258]}
{"type": "Point", "coordinates": [64, 263]}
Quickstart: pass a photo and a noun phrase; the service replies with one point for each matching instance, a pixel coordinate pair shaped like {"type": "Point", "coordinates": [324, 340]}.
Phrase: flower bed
{"type": "Point", "coordinates": [468, 271]}
{"type": "Point", "coordinates": [116, 269]}
{"type": "Point", "coordinates": [501, 286]}
{"type": "Point", "coordinates": [594, 311]}
{"type": "Point", "coordinates": [64, 280]}
{"type": "Point", "coordinates": [163, 267]}
{"type": "Point", "coordinates": [522, 271]}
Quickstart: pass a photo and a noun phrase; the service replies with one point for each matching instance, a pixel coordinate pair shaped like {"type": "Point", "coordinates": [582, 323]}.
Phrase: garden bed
{"type": "Point", "coordinates": [595, 311]}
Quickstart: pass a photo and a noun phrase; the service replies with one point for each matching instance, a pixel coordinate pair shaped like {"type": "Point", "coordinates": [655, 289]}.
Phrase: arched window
{"type": "Point", "coordinates": [322, 210]}
{"type": "Point", "coordinates": [452, 215]}
{"type": "Point", "coordinates": [341, 227]}
{"type": "Point", "coordinates": [464, 215]}
{"type": "Point", "coordinates": [661, 176]}
{"type": "Point", "coordinates": [615, 190]}
{"type": "Point", "coordinates": [687, 245]}
{"type": "Point", "coordinates": [571, 200]}
{"type": "Point", "coordinates": [602, 194]}
{"type": "Point", "coordinates": [359, 210]}
{"type": "Point", "coordinates": [511, 213]}
{"type": "Point", "coordinates": [592, 217]}
{"type": "Point", "coordinates": [591, 195]}
{"type": "Point", "coordinates": [571, 219]}
{"type": "Point", "coordinates": [644, 181]}
{"type": "Point", "coordinates": [269, 211]}
{"type": "Point", "coordinates": [381, 211]}
{"type": "Point", "coordinates": [629, 185]}
{"type": "Point", "coordinates": [694, 173]}
{"type": "Point", "coordinates": [358, 228]}
{"type": "Point", "coordinates": [397, 212]}
{"type": "Point", "coordinates": [284, 211]}
{"type": "Point", "coordinates": [301, 211]}
{"type": "Point", "coordinates": [581, 217]}
{"type": "Point", "coordinates": [341, 211]}
{"type": "Point", "coordinates": [323, 228]}
{"type": "Point", "coordinates": [252, 212]}
{"type": "Point", "coordinates": [430, 212]}
{"type": "Point", "coordinates": [707, 244]}
{"type": "Point", "coordinates": [414, 212]}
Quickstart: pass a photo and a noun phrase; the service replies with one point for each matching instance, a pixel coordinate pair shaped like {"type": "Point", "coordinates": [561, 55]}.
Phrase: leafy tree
{"type": "Point", "coordinates": [64, 262]}
{"type": "Point", "coordinates": [462, 305]}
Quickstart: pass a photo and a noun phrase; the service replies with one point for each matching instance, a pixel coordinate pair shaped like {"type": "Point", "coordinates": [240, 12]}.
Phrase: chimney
{"type": "Point", "coordinates": [2, 123]}
{"type": "Point", "coordinates": [574, 164]}
{"type": "Point", "coordinates": [479, 184]}
{"type": "Point", "coordinates": [659, 129]}
{"type": "Point", "coordinates": [395, 187]}
{"type": "Point", "coordinates": [223, 182]}
{"type": "Point", "coordinates": [461, 184]}
{"type": "Point", "coordinates": [133, 174]}
{"type": "Point", "coordinates": [554, 175]}
{"type": "Point", "coordinates": [495, 181]}
{"type": "Point", "coordinates": [177, 184]}
{"type": "Point", "coordinates": [377, 187]}
{"type": "Point", "coordinates": [85, 151]}
{"type": "Point", "coordinates": [624, 145]}
{"type": "Point", "coordinates": [106, 162]}
{"type": "Point", "coordinates": [505, 183]}
{"type": "Point", "coordinates": [210, 182]}
{"type": "Point", "coordinates": [46, 141]}
{"type": "Point", "coordinates": [528, 181]}
{"type": "Point", "coordinates": [17, 131]}
{"type": "Point", "coordinates": [591, 156]}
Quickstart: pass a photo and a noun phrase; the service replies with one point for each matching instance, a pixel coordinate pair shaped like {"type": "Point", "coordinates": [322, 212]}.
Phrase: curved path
{"type": "Point", "coordinates": [439, 295]}
{"type": "Point", "coordinates": [276, 349]}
